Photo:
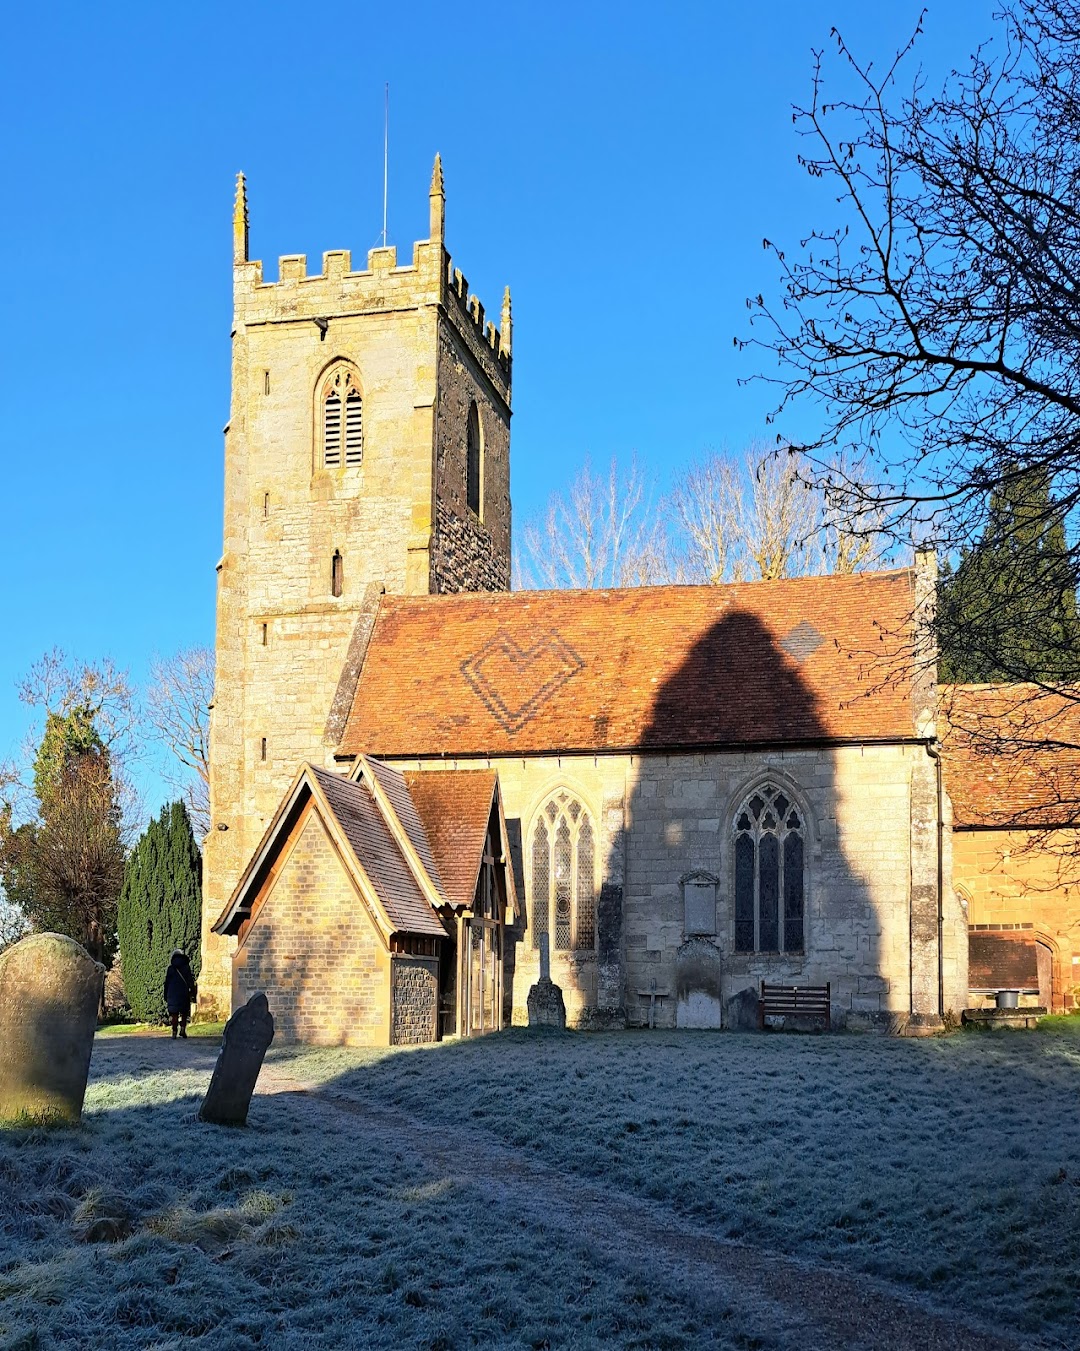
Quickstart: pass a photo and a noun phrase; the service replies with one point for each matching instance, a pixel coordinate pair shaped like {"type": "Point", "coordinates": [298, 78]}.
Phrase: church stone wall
{"type": "Point", "coordinates": [662, 817]}
{"type": "Point", "coordinates": [314, 951]}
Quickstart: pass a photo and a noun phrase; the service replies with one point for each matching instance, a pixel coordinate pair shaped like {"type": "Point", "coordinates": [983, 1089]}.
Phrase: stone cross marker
{"type": "Point", "coordinates": [50, 988]}
{"type": "Point", "coordinates": [545, 1001]}
{"type": "Point", "coordinates": [244, 1042]}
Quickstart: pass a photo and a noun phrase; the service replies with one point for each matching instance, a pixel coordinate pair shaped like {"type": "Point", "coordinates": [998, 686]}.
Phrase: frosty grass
{"type": "Point", "coordinates": [951, 1167]}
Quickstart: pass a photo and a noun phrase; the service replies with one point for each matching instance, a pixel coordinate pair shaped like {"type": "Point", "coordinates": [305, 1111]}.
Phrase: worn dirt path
{"type": "Point", "coordinates": [783, 1301]}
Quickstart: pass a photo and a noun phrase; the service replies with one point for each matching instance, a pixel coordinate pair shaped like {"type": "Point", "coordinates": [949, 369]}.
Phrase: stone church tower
{"type": "Point", "coordinates": [368, 444]}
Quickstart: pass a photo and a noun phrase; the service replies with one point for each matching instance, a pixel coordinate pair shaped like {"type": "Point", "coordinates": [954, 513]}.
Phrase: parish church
{"type": "Point", "coordinates": [424, 785]}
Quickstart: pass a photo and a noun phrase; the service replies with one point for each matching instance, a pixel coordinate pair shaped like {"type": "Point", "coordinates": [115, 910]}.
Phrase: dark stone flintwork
{"type": "Point", "coordinates": [50, 988]}
{"type": "Point", "coordinates": [244, 1043]}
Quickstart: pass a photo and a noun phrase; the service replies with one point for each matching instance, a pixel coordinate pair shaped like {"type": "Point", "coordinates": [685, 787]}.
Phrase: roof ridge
{"type": "Point", "coordinates": [650, 589]}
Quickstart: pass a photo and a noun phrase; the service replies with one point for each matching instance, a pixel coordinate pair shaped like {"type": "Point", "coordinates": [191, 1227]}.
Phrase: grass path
{"type": "Point", "coordinates": [785, 1302]}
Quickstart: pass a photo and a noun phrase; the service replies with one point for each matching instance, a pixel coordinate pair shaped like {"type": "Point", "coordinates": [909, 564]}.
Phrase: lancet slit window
{"type": "Point", "coordinates": [562, 895]}
{"type": "Point", "coordinates": [342, 420]}
{"type": "Point", "coordinates": [770, 856]}
{"type": "Point", "coordinates": [472, 459]}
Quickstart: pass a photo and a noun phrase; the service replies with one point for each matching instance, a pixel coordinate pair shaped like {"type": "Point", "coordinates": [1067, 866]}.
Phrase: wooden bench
{"type": "Point", "coordinates": [791, 1001]}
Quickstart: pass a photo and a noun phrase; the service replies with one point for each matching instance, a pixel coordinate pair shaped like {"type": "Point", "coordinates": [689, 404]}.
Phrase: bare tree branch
{"type": "Point", "coordinates": [178, 703]}
{"type": "Point", "coordinates": [601, 534]}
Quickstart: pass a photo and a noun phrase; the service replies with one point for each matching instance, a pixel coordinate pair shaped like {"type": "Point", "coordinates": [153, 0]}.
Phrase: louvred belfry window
{"type": "Point", "coordinates": [769, 883]}
{"type": "Point", "coordinates": [563, 891]}
{"type": "Point", "coordinates": [342, 420]}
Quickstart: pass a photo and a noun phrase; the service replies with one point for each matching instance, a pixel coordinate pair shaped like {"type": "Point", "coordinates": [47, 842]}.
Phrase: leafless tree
{"type": "Point", "coordinates": [934, 322]}
{"type": "Point", "coordinates": [178, 703]}
{"type": "Point", "coordinates": [57, 684]}
{"type": "Point", "coordinates": [755, 517]}
{"type": "Point", "coordinates": [601, 534]}
{"type": "Point", "coordinates": [854, 537]}
{"type": "Point", "coordinates": [707, 510]}
{"type": "Point", "coordinates": [781, 523]}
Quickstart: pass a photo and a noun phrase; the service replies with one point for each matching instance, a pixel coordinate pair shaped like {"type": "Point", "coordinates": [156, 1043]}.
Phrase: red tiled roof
{"type": "Point", "coordinates": [807, 659]}
{"type": "Point", "coordinates": [401, 801]}
{"type": "Point", "coordinates": [373, 844]}
{"type": "Point", "coordinates": [1012, 755]}
{"type": "Point", "coordinates": [455, 807]}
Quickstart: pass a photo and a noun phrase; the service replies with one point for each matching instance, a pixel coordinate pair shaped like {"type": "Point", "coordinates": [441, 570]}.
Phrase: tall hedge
{"type": "Point", "coordinates": [160, 906]}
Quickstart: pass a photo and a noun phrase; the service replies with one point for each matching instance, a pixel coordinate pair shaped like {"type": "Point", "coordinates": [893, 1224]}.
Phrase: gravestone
{"type": "Point", "coordinates": [50, 989]}
{"type": "Point", "coordinates": [545, 1001]}
{"type": "Point", "coordinates": [697, 982]}
{"type": "Point", "coordinates": [244, 1043]}
{"type": "Point", "coordinates": [741, 1010]}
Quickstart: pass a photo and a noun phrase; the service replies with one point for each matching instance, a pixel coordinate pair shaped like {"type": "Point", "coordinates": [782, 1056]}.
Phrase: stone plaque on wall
{"type": "Point", "coordinates": [699, 903]}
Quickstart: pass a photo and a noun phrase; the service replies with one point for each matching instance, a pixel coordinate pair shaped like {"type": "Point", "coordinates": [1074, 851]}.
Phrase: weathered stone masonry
{"type": "Point", "coordinates": [422, 351]}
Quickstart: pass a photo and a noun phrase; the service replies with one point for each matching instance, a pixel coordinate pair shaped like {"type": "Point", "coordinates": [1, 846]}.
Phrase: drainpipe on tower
{"type": "Point", "coordinates": [933, 749]}
{"type": "Point", "coordinates": [926, 658]}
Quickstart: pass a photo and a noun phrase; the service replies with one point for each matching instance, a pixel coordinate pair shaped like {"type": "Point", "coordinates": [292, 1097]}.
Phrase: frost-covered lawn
{"type": "Point", "coordinates": [381, 1207]}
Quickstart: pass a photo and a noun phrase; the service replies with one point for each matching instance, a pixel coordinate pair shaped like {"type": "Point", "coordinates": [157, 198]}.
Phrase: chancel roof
{"type": "Point", "coordinates": [802, 660]}
{"type": "Point", "coordinates": [1012, 755]}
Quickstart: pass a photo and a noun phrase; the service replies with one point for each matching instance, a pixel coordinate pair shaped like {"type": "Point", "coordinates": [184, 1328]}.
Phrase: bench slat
{"type": "Point", "coordinates": [812, 1001]}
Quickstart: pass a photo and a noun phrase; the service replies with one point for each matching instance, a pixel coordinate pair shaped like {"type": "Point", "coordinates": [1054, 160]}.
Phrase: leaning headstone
{"type": "Point", "coordinates": [244, 1042]}
{"type": "Point", "coordinates": [740, 1012]}
{"type": "Point", "coordinates": [50, 989]}
{"type": "Point", "coordinates": [545, 1001]}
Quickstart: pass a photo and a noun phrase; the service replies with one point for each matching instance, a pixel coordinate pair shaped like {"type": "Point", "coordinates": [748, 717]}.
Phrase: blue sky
{"type": "Point", "coordinates": [617, 164]}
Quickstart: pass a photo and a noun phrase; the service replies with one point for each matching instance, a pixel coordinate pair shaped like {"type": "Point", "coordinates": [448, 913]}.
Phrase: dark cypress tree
{"type": "Point", "coordinates": [1008, 611]}
{"type": "Point", "coordinates": [160, 907]}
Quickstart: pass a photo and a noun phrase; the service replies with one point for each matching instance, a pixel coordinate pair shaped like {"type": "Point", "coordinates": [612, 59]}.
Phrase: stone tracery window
{"type": "Point", "coordinates": [341, 419]}
{"type": "Point", "coordinates": [562, 891]}
{"type": "Point", "coordinates": [770, 851]}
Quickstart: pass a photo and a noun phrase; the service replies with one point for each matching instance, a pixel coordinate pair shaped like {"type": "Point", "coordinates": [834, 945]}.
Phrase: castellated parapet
{"type": "Point", "coordinates": [405, 482]}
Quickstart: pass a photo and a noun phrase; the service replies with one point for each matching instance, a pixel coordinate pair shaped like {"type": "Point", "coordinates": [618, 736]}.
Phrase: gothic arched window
{"type": "Point", "coordinates": [472, 459]}
{"type": "Point", "coordinates": [563, 882]}
{"type": "Point", "coordinates": [341, 419]}
{"type": "Point", "coordinates": [769, 859]}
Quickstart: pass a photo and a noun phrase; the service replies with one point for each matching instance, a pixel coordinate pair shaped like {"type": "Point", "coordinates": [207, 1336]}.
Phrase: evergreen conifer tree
{"type": "Point", "coordinates": [1008, 612]}
{"type": "Point", "coordinates": [160, 906]}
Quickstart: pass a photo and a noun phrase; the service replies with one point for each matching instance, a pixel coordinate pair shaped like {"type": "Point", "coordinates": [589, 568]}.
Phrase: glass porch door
{"type": "Point", "coordinates": [483, 978]}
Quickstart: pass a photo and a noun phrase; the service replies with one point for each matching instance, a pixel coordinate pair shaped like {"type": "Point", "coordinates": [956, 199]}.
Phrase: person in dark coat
{"type": "Point", "coordinates": [179, 991]}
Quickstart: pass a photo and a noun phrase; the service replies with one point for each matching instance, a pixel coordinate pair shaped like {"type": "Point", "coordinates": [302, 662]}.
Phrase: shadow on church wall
{"type": "Point", "coordinates": [839, 816]}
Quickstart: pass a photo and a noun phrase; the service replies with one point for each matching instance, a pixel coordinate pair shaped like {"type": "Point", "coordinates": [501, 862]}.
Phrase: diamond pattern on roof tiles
{"type": "Point", "coordinates": [513, 682]}
{"type": "Point", "coordinates": [802, 642]}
